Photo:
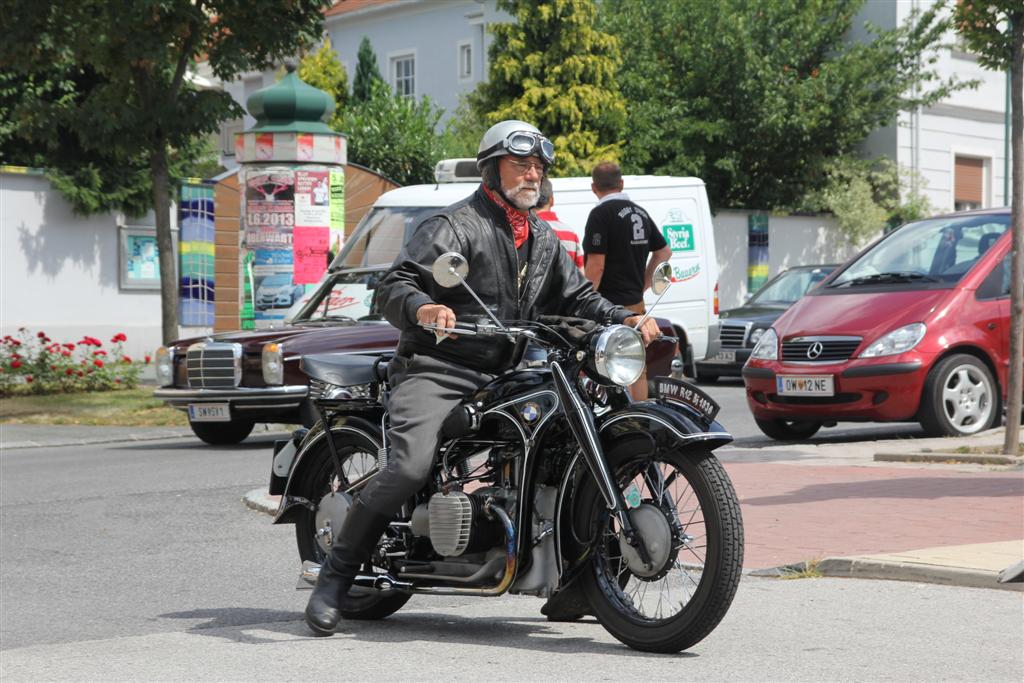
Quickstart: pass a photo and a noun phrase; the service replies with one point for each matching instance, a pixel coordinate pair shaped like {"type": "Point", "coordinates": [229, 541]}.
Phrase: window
{"type": "Point", "coordinates": [465, 61]}
{"type": "Point", "coordinates": [403, 75]}
{"type": "Point", "coordinates": [968, 183]}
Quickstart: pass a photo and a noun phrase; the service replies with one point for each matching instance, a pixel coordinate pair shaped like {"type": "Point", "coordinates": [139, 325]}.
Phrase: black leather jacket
{"type": "Point", "coordinates": [477, 228]}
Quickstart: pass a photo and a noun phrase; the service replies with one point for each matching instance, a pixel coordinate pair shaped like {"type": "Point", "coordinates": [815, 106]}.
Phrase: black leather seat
{"type": "Point", "coordinates": [344, 369]}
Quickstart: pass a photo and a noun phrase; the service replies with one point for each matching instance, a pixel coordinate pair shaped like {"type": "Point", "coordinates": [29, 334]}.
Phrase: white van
{"type": "Point", "coordinates": [679, 206]}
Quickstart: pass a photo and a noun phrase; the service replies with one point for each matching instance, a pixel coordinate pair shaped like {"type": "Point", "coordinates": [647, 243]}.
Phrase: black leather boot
{"type": "Point", "coordinates": [352, 547]}
{"type": "Point", "coordinates": [568, 604]}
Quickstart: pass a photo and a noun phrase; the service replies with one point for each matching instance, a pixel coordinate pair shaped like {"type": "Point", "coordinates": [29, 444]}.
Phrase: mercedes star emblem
{"type": "Point", "coordinates": [815, 349]}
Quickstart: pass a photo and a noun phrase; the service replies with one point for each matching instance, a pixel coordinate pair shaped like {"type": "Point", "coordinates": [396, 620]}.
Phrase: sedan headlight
{"type": "Point", "coordinates": [164, 364]}
{"type": "Point", "coordinates": [755, 336]}
{"type": "Point", "coordinates": [272, 361]}
{"type": "Point", "coordinates": [767, 346]}
{"type": "Point", "coordinates": [619, 354]}
{"type": "Point", "coordinates": [897, 341]}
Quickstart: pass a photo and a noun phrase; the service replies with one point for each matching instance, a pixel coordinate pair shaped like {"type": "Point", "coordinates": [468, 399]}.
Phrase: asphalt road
{"type": "Point", "coordinates": [138, 561]}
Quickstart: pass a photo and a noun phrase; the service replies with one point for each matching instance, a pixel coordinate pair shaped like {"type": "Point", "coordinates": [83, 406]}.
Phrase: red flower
{"type": "Point", "coordinates": [65, 353]}
{"type": "Point", "coordinates": [148, 359]}
{"type": "Point", "coordinates": [126, 359]}
{"type": "Point", "coordinates": [28, 378]}
{"type": "Point", "coordinates": [15, 356]}
{"type": "Point", "coordinates": [99, 353]}
{"type": "Point", "coordinates": [78, 372]}
{"type": "Point", "coordinates": [69, 371]}
{"type": "Point", "coordinates": [40, 334]}
{"type": "Point", "coordinates": [15, 363]}
{"type": "Point", "coordinates": [69, 346]}
{"type": "Point", "coordinates": [117, 381]}
{"type": "Point", "coordinates": [119, 337]}
{"type": "Point", "coordinates": [53, 367]}
{"type": "Point", "coordinates": [98, 363]}
{"type": "Point", "coordinates": [15, 342]}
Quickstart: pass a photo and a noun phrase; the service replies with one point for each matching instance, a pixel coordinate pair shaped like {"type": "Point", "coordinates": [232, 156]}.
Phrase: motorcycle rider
{"type": "Point", "coordinates": [519, 270]}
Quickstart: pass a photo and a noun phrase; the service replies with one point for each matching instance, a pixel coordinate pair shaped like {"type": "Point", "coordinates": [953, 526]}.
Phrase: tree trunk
{"type": "Point", "coordinates": [165, 243]}
{"type": "Point", "coordinates": [1015, 385]}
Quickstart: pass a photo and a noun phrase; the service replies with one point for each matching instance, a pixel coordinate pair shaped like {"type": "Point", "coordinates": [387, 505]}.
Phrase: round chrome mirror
{"type": "Point", "coordinates": [662, 278]}
{"type": "Point", "coordinates": [450, 268]}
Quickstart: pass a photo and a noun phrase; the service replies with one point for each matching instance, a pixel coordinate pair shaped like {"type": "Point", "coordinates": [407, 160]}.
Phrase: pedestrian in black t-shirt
{"type": "Point", "coordinates": [622, 245]}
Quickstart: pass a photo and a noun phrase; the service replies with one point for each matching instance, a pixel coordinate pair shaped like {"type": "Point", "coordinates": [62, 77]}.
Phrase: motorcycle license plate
{"type": "Point", "coordinates": [686, 394]}
{"type": "Point", "coordinates": [805, 385]}
{"type": "Point", "coordinates": [209, 412]}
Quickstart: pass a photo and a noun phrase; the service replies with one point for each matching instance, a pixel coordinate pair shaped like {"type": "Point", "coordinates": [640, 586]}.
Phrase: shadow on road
{"type": "Point", "coordinates": [525, 633]}
{"type": "Point", "coordinates": [263, 442]}
{"type": "Point", "coordinates": [911, 488]}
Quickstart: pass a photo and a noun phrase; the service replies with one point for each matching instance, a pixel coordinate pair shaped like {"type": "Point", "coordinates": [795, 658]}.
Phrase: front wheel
{"type": "Point", "coordinates": [684, 507]}
{"type": "Point", "coordinates": [788, 430]}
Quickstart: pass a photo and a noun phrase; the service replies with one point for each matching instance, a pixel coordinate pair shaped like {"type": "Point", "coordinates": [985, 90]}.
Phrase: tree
{"type": "Point", "coordinates": [393, 135]}
{"type": "Point", "coordinates": [138, 106]}
{"type": "Point", "coordinates": [994, 30]}
{"type": "Point", "coordinates": [553, 68]}
{"type": "Point", "coordinates": [758, 96]}
{"type": "Point", "coordinates": [367, 72]}
{"type": "Point", "coordinates": [322, 69]}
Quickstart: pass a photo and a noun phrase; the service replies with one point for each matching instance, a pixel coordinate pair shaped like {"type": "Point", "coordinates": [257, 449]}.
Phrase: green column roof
{"type": "Point", "coordinates": [291, 106]}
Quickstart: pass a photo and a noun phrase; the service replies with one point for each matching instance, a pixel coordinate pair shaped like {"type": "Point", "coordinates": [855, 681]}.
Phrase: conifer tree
{"type": "Point", "coordinates": [366, 72]}
{"type": "Point", "coordinates": [551, 67]}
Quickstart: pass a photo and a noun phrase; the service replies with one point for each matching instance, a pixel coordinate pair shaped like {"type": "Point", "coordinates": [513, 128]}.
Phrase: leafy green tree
{"type": "Point", "coordinates": [758, 96]}
{"type": "Point", "coordinates": [322, 69]}
{"type": "Point", "coordinates": [994, 30]}
{"type": "Point", "coordinates": [553, 68]}
{"type": "Point", "coordinates": [393, 135]}
{"type": "Point", "coordinates": [134, 105]}
{"type": "Point", "coordinates": [367, 72]}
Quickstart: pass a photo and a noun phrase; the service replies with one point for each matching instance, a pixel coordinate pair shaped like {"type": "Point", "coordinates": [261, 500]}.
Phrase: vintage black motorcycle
{"type": "Point", "coordinates": [548, 479]}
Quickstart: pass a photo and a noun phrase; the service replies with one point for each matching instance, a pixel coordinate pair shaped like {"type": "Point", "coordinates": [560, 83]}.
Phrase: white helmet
{"type": "Point", "coordinates": [517, 138]}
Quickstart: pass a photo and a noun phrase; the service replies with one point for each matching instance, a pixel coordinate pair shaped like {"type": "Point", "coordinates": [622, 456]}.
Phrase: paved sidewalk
{"type": "Point", "coordinates": [37, 436]}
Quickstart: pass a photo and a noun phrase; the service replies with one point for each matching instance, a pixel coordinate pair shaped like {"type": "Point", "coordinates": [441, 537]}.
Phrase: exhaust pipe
{"type": "Point", "coordinates": [365, 584]}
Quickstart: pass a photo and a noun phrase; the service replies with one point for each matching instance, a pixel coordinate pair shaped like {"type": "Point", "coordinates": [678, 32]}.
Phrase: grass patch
{"type": "Point", "coordinates": [808, 571]}
{"type": "Point", "coordinates": [127, 408]}
{"type": "Point", "coordinates": [980, 450]}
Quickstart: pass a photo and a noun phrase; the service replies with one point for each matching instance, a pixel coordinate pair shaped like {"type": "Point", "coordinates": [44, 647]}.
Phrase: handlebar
{"type": "Point", "coordinates": [487, 329]}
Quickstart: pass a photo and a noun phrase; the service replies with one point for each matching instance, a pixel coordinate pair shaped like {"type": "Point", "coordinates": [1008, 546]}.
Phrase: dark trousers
{"type": "Point", "coordinates": [423, 391]}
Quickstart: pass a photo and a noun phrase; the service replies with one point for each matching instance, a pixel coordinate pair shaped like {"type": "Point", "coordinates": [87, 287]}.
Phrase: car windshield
{"type": "Point", "coordinates": [788, 287]}
{"type": "Point", "coordinates": [937, 250]}
{"type": "Point", "coordinates": [278, 280]}
{"type": "Point", "coordinates": [380, 235]}
{"type": "Point", "coordinates": [343, 296]}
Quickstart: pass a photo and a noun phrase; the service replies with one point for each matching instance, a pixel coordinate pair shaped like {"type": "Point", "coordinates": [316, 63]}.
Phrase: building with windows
{"type": "Point", "coordinates": [957, 148]}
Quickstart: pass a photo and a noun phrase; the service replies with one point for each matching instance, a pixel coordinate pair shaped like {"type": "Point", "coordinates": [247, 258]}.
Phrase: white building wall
{"type": "Point", "coordinates": [60, 272]}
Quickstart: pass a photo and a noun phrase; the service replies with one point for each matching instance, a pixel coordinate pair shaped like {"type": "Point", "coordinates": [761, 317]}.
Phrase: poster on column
{"type": "Point", "coordinates": [267, 244]}
{"type": "Point", "coordinates": [312, 225]}
{"type": "Point", "coordinates": [337, 212]}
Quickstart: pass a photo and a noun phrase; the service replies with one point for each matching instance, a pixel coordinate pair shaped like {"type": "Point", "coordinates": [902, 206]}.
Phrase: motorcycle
{"type": "Point", "coordinates": [549, 481]}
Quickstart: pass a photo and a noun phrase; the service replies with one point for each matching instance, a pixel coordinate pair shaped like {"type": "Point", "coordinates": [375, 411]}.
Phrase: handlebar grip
{"type": "Point", "coordinates": [662, 337]}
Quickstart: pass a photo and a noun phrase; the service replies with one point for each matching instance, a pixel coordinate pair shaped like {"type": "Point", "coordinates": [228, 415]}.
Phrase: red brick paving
{"type": "Point", "coordinates": [794, 513]}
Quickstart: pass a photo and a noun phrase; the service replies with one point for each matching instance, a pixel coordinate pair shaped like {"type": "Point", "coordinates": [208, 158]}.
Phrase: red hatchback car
{"type": "Point", "coordinates": [915, 327]}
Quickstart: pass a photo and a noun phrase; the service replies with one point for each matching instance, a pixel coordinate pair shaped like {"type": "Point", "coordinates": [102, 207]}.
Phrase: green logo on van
{"type": "Point", "coordinates": [679, 236]}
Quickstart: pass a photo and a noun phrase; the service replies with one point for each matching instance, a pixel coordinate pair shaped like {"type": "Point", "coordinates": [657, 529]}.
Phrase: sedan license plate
{"type": "Point", "coordinates": [805, 385]}
{"type": "Point", "coordinates": [209, 412]}
{"type": "Point", "coordinates": [723, 357]}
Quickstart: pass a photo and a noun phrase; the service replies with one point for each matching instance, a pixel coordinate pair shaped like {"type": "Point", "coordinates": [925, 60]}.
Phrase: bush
{"type": "Point", "coordinates": [34, 363]}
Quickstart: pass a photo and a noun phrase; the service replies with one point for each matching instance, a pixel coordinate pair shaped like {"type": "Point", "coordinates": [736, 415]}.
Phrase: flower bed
{"type": "Point", "coordinates": [34, 363]}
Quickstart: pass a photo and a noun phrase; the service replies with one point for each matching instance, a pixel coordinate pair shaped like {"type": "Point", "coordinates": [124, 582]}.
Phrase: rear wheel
{"type": "Point", "coordinates": [788, 430]}
{"type": "Point", "coordinates": [684, 507]}
{"type": "Point", "coordinates": [326, 488]}
{"type": "Point", "coordinates": [959, 398]}
{"type": "Point", "coordinates": [222, 433]}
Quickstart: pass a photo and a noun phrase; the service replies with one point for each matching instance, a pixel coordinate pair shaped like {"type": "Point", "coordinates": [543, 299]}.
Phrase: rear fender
{"type": "Point", "coordinates": [294, 497]}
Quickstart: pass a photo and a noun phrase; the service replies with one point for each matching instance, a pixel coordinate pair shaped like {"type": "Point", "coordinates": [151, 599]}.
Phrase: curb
{"type": "Point", "coordinates": [260, 500]}
{"type": "Point", "coordinates": [859, 568]}
{"type": "Point", "coordinates": [950, 458]}
{"type": "Point", "coordinates": [86, 442]}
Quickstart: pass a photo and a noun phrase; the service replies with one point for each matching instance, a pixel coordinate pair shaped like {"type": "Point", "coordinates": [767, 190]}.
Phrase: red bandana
{"type": "Point", "coordinates": [518, 220]}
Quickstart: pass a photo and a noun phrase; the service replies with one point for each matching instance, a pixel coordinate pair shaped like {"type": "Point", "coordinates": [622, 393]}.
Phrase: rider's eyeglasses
{"type": "Point", "coordinates": [523, 167]}
{"type": "Point", "coordinates": [525, 144]}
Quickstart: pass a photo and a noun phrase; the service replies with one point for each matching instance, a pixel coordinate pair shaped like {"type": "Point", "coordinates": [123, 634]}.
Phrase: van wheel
{"type": "Point", "coordinates": [788, 430]}
{"type": "Point", "coordinates": [959, 397]}
{"type": "Point", "coordinates": [222, 433]}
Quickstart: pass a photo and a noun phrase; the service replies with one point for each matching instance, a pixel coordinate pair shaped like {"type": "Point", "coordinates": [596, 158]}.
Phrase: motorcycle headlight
{"type": "Point", "coordinates": [619, 354]}
{"type": "Point", "coordinates": [164, 365]}
{"type": "Point", "coordinates": [767, 347]}
{"type": "Point", "coordinates": [272, 361]}
{"type": "Point", "coordinates": [897, 341]}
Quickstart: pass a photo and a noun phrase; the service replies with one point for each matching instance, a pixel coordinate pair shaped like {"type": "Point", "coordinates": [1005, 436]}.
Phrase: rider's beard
{"type": "Point", "coordinates": [523, 195]}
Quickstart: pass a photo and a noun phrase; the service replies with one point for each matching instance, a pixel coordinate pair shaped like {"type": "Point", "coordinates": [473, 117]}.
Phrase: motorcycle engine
{"type": "Point", "coordinates": [456, 523]}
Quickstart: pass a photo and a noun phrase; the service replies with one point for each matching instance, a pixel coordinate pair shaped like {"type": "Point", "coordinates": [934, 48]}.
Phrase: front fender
{"type": "Point", "coordinates": [294, 497]}
{"type": "Point", "coordinates": [661, 421]}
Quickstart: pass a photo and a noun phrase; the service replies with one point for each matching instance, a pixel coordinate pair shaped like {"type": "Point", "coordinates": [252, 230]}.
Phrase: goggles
{"type": "Point", "coordinates": [524, 144]}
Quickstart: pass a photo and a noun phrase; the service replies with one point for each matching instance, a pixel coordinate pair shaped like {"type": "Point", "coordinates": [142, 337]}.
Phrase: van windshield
{"type": "Point", "coordinates": [938, 250]}
{"type": "Point", "coordinates": [380, 235]}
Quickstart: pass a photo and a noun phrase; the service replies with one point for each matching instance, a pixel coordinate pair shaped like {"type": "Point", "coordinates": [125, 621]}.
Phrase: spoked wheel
{"type": "Point", "coordinates": [684, 507]}
{"type": "Point", "coordinates": [315, 529]}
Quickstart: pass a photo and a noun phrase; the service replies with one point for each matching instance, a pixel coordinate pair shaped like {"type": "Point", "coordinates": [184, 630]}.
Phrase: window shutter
{"type": "Point", "coordinates": [968, 180]}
